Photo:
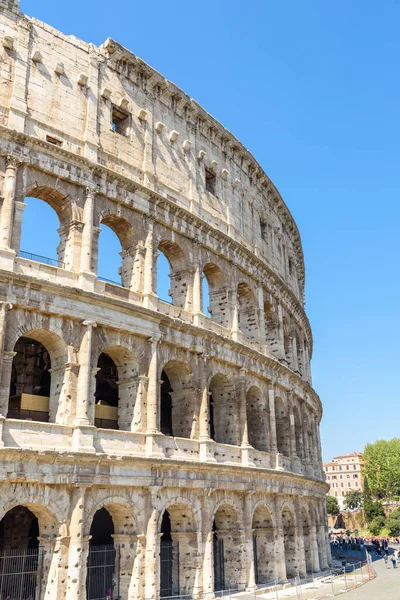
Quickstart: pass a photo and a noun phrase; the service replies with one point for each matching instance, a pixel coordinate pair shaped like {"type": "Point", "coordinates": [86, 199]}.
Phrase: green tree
{"type": "Point", "coordinates": [332, 505]}
{"type": "Point", "coordinates": [353, 499]}
{"type": "Point", "coordinates": [376, 525]}
{"type": "Point", "coordinates": [382, 467]}
{"type": "Point", "coordinates": [393, 522]}
{"type": "Point", "coordinates": [373, 509]}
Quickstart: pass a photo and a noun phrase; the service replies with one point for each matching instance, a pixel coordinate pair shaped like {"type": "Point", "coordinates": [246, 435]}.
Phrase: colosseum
{"type": "Point", "coordinates": [148, 448]}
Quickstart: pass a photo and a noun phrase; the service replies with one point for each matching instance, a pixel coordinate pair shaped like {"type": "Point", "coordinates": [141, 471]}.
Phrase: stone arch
{"type": "Point", "coordinates": [307, 539]}
{"type": "Point", "coordinates": [179, 558]}
{"type": "Point", "coordinates": [179, 402]}
{"type": "Point", "coordinates": [263, 544]}
{"type": "Point", "coordinates": [218, 294]}
{"type": "Point", "coordinates": [248, 314]}
{"type": "Point", "coordinates": [39, 369]}
{"type": "Point", "coordinates": [257, 419]}
{"type": "Point", "coordinates": [126, 236]}
{"type": "Point", "coordinates": [224, 418]}
{"type": "Point", "coordinates": [272, 326]}
{"type": "Point", "coordinates": [228, 548]}
{"type": "Point", "coordinates": [57, 200]}
{"type": "Point", "coordinates": [289, 541]}
{"type": "Point", "coordinates": [282, 426]}
{"type": "Point", "coordinates": [180, 274]}
{"type": "Point", "coordinates": [120, 380]}
{"type": "Point", "coordinates": [49, 522]}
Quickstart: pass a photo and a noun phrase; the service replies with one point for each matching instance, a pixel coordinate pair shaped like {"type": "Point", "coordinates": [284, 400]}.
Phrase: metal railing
{"type": "Point", "coordinates": [110, 281]}
{"type": "Point", "coordinates": [53, 262]}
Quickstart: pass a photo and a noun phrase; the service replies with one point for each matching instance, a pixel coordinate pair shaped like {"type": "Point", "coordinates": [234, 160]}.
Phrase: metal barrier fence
{"type": "Point", "coordinates": [20, 574]}
{"type": "Point", "coordinates": [53, 262]}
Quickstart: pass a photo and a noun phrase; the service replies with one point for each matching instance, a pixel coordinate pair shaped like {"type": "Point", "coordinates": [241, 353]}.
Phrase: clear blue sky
{"type": "Point", "coordinates": [312, 89]}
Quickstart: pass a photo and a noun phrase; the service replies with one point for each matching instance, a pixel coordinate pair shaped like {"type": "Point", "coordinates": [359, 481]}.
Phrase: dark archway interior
{"type": "Point", "coordinates": [219, 560]}
{"type": "Point", "coordinates": [166, 557]}
{"type": "Point", "coordinates": [166, 406]}
{"type": "Point", "coordinates": [102, 529]}
{"type": "Point", "coordinates": [19, 530]}
{"type": "Point", "coordinates": [106, 381]}
{"type": "Point", "coordinates": [211, 416]}
{"type": "Point", "coordinates": [30, 376]}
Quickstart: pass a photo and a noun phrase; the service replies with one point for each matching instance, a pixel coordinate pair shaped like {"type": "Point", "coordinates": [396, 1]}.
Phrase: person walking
{"type": "Point", "coordinates": [394, 559]}
{"type": "Point", "coordinates": [386, 559]}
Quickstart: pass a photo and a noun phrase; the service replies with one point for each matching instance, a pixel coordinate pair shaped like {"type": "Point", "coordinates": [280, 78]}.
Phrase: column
{"type": "Point", "coordinates": [84, 416]}
{"type": "Point", "coordinates": [87, 275]}
{"type": "Point", "coordinates": [149, 293]}
{"type": "Point", "coordinates": [78, 547]}
{"type": "Point", "coordinates": [18, 100]}
{"type": "Point", "coordinates": [295, 358]}
{"type": "Point", "coordinates": [301, 557]}
{"type": "Point", "coordinates": [6, 366]}
{"type": "Point", "coordinates": [208, 556]}
{"type": "Point", "coordinates": [235, 315]}
{"type": "Point", "coordinates": [244, 432]}
{"type": "Point", "coordinates": [152, 562]}
{"type": "Point", "coordinates": [206, 450]}
{"type": "Point", "coordinates": [249, 566]}
{"type": "Point", "coordinates": [271, 400]}
{"type": "Point", "coordinates": [292, 428]}
{"type": "Point", "coordinates": [7, 254]}
{"type": "Point", "coordinates": [314, 549]}
{"type": "Point", "coordinates": [261, 318]}
{"type": "Point", "coordinates": [55, 562]}
{"type": "Point", "coordinates": [281, 341]}
{"type": "Point", "coordinates": [127, 544]}
{"type": "Point", "coordinates": [91, 136]}
{"type": "Point", "coordinates": [327, 543]}
{"type": "Point", "coordinates": [280, 561]}
{"type": "Point", "coordinates": [153, 435]}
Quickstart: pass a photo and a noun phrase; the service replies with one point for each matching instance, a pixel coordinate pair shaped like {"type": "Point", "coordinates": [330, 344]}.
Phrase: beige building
{"type": "Point", "coordinates": [343, 474]}
{"type": "Point", "coordinates": [146, 447]}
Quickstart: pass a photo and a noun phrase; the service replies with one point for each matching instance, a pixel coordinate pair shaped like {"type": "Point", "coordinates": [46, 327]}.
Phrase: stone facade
{"type": "Point", "coordinates": [127, 421]}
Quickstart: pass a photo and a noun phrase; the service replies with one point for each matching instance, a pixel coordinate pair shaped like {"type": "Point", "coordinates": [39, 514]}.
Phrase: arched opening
{"type": "Point", "coordinates": [263, 546]}
{"type": "Point", "coordinates": [45, 235]}
{"type": "Point", "coordinates": [248, 321]}
{"type": "Point", "coordinates": [176, 268]}
{"type": "Point", "coordinates": [117, 394]}
{"type": "Point", "coordinates": [215, 294]}
{"type": "Point", "coordinates": [116, 252]}
{"type": "Point", "coordinates": [282, 427]}
{"type": "Point", "coordinates": [298, 433]}
{"type": "Point", "coordinates": [224, 411]}
{"type": "Point", "coordinates": [178, 552]}
{"type": "Point", "coordinates": [106, 394]}
{"type": "Point", "coordinates": [257, 419]}
{"type": "Point", "coordinates": [271, 328]}
{"type": "Point", "coordinates": [227, 550]}
{"type": "Point", "coordinates": [178, 401]}
{"type": "Point", "coordinates": [307, 540]}
{"type": "Point", "coordinates": [290, 543]}
{"type": "Point", "coordinates": [37, 377]}
{"type": "Point", "coordinates": [299, 350]}
{"type": "Point", "coordinates": [205, 297]}
{"type": "Point", "coordinates": [19, 554]}
{"type": "Point", "coordinates": [40, 237]}
{"type": "Point", "coordinates": [101, 582]}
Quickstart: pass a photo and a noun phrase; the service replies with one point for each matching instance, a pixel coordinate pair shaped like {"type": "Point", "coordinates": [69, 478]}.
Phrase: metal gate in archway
{"type": "Point", "coordinates": [21, 574]}
{"type": "Point", "coordinates": [256, 577]}
{"type": "Point", "coordinates": [169, 569]}
{"type": "Point", "coordinates": [219, 564]}
{"type": "Point", "coordinates": [102, 578]}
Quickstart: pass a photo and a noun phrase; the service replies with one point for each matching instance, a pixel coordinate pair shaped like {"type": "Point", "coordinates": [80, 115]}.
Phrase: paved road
{"type": "Point", "coordinates": [385, 587]}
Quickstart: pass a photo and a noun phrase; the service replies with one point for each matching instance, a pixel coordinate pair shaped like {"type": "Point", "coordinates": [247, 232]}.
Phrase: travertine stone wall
{"type": "Point", "coordinates": [104, 139]}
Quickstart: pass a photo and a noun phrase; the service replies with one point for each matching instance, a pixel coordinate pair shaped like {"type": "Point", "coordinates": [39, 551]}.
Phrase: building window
{"type": "Point", "coordinates": [211, 181]}
{"type": "Point", "coordinates": [119, 121]}
{"type": "Point", "coordinates": [340, 468]}
{"type": "Point", "coordinates": [355, 476]}
{"type": "Point", "coordinates": [347, 467]}
{"type": "Point", "coordinates": [342, 485]}
{"type": "Point", "coordinates": [348, 476]}
{"type": "Point", "coordinates": [53, 140]}
{"type": "Point", "coordinates": [341, 477]}
{"type": "Point", "coordinates": [354, 467]}
{"type": "Point", "coordinates": [333, 468]}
